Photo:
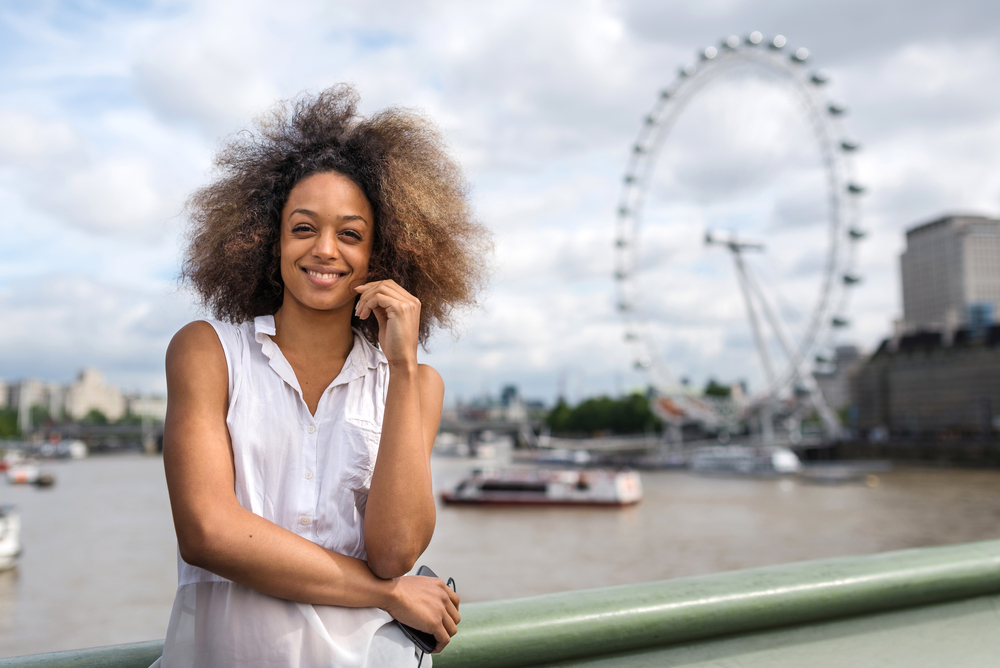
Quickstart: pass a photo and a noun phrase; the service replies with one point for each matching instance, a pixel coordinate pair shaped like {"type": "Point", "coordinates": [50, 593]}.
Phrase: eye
{"type": "Point", "coordinates": [301, 228]}
{"type": "Point", "coordinates": [353, 234]}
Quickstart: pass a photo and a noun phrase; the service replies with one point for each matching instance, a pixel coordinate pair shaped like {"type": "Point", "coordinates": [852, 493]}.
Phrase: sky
{"type": "Point", "coordinates": [110, 113]}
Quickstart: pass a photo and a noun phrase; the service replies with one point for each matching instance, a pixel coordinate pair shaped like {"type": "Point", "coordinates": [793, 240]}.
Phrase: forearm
{"type": "Point", "coordinates": [399, 517]}
{"type": "Point", "coordinates": [252, 551]}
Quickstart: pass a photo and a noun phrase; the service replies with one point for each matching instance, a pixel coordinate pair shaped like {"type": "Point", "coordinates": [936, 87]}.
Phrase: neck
{"type": "Point", "coordinates": [304, 331]}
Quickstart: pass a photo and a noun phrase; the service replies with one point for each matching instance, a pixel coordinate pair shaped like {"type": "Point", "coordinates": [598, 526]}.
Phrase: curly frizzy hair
{"type": "Point", "coordinates": [426, 237]}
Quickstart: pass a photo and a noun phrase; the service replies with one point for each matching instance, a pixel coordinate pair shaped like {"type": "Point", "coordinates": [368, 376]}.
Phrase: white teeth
{"type": "Point", "coordinates": [319, 275]}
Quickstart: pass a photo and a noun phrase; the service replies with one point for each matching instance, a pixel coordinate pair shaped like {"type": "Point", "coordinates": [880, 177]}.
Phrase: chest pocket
{"type": "Point", "coordinates": [361, 441]}
{"type": "Point", "coordinates": [364, 408]}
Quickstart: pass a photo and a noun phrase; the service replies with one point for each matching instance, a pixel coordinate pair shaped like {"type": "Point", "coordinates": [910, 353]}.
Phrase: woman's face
{"type": "Point", "coordinates": [326, 241]}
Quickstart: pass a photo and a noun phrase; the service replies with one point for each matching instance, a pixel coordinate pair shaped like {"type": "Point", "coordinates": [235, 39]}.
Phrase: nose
{"type": "Point", "coordinates": [326, 246]}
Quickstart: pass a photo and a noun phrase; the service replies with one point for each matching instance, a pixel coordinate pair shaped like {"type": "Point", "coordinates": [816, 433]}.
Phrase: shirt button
{"type": "Point", "coordinates": [312, 429]}
{"type": "Point", "coordinates": [304, 521]}
{"type": "Point", "coordinates": [309, 475]}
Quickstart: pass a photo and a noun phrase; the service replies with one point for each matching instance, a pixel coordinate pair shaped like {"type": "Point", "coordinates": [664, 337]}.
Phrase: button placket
{"type": "Point", "coordinates": [307, 493]}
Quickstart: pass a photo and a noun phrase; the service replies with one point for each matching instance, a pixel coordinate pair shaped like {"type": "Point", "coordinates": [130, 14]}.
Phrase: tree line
{"type": "Point", "coordinates": [603, 415]}
{"type": "Point", "coordinates": [39, 417]}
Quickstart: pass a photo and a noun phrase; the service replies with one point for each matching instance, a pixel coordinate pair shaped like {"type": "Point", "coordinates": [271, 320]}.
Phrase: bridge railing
{"type": "Point", "coordinates": [589, 625]}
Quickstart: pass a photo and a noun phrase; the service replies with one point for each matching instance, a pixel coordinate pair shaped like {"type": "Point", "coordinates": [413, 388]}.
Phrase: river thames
{"type": "Point", "coordinates": [99, 561]}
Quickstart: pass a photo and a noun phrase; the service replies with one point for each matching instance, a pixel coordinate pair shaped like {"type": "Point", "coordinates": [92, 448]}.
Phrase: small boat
{"type": "Point", "coordinates": [23, 473]}
{"type": "Point", "coordinates": [548, 487]}
{"type": "Point", "coordinates": [10, 537]}
{"type": "Point", "coordinates": [745, 460]}
{"type": "Point", "coordinates": [28, 473]}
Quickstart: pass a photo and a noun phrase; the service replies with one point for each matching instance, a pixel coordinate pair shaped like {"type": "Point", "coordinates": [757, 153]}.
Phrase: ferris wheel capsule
{"type": "Point", "coordinates": [820, 77]}
{"type": "Point", "coordinates": [837, 108]}
{"type": "Point", "coordinates": [850, 144]}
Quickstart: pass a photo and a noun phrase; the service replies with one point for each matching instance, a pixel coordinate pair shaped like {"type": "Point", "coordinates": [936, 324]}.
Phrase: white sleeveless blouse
{"type": "Point", "coordinates": [311, 475]}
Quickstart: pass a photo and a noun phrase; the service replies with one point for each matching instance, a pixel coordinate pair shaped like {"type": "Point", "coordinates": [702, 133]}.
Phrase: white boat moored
{"type": "Point", "coordinates": [548, 487]}
{"type": "Point", "coordinates": [10, 537]}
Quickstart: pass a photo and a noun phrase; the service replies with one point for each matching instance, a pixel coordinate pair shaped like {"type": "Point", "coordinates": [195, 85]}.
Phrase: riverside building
{"type": "Point", "coordinates": [940, 372]}
{"type": "Point", "coordinates": [89, 392]}
{"type": "Point", "coordinates": [951, 274]}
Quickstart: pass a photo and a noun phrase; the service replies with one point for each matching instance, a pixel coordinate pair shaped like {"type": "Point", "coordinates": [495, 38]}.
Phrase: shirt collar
{"type": "Point", "coordinates": [364, 355]}
{"type": "Point", "coordinates": [263, 326]}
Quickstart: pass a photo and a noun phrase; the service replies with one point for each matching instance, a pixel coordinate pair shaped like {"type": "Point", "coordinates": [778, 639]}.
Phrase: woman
{"type": "Point", "coordinates": [299, 425]}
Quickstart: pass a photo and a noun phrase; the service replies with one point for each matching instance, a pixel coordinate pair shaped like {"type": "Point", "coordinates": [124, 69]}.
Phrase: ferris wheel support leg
{"type": "Point", "coordinates": [767, 423]}
{"type": "Point", "coordinates": [767, 409]}
{"type": "Point", "coordinates": [675, 436]}
{"type": "Point", "coordinates": [831, 423]}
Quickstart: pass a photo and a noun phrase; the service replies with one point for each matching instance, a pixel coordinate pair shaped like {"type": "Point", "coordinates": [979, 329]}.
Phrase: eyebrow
{"type": "Point", "coordinates": [310, 212]}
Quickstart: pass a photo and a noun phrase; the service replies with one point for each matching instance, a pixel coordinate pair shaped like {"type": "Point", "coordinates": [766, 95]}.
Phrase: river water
{"type": "Point", "coordinates": [99, 551]}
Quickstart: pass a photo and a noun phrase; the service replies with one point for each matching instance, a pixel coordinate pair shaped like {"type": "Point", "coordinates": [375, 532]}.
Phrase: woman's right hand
{"type": "Point", "coordinates": [427, 604]}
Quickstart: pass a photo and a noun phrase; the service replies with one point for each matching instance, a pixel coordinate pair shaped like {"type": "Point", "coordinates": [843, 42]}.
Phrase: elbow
{"type": "Point", "coordinates": [391, 566]}
{"type": "Point", "coordinates": [197, 545]}
{"type": "Point", "coordinates": [392, 553]}
{"type": "Point", "coordinates": [193, 550]}
{"type": "Point", "coordinates": [191, 555]}
{"type": "Point", "coordinates": [396, 558]}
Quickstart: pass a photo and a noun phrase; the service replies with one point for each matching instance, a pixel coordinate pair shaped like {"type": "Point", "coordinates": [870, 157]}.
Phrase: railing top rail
{"type": "Point", "coordinates": [576, 624]}
{"type": "Point", "coordinates": [587, 623]}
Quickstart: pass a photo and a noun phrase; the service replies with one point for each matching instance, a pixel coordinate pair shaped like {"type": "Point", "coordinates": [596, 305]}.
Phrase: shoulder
{"type": "Point", "coordinates": [431, 382]}
{"type": "Point", "coordinates": [196, 351]}
{"type": "Point", "coordinates": [429, 375]}
{"type": "Point", "coordinates": [195, 337]}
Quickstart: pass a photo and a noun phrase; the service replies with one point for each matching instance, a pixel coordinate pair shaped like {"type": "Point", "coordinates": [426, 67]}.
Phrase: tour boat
{"type": "Point", "coordinates": [548, 487]}
{"type": "Point", "coordinates": [745, 460]}
{"type": "Point", "coordinates": [10, 537]}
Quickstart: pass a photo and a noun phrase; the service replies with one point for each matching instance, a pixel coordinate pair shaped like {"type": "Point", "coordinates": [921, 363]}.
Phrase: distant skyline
{"type": "Point", "coordinates": [110, 113]}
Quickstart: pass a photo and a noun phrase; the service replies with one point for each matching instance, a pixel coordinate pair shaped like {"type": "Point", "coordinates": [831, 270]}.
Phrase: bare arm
{"type": "Point", "coordinates": [400, 514]}
{"type": "Point", "coordinates": [216, 533]}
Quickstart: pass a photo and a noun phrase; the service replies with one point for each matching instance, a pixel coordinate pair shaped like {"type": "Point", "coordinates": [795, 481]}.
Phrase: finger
{"type": "Point", "coordinates": [454, 616]}
{"type": "Point", "coordinates": [368, 302]}
{"type": "Point", "coordinates": [382, 317]}
{"type": "Point", "coordinates": [442, 637]}
{"type": "Point", "coordinates": [388, 287]}
{"type": "Point", "coordinates": [383, 296]}
{"type": "Point", "coordinates": [377, 302]}
{"type": "Point", "coordinates": [387, 282]}
{"type": "Point", "coordinates": [450, 625]}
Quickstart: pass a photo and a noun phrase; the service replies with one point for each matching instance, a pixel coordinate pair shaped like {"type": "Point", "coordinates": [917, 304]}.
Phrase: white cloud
{"type": "Point", "coordinates": [29, 139]}
{"type": "Point", "coordinates": [113, 194]}
{"type": "Point", "coordinates": [66, 322]}
{"type": "Point", "coordinates": [111, 122]}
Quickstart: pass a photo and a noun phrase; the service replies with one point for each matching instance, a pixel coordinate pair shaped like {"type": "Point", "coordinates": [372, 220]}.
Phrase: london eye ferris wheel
{"type": "Point", "coordinates": [742, 155]}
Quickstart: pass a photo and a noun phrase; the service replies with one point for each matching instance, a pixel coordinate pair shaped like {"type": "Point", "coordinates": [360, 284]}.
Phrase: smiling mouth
{"type": "Point", "coordinates": [321, 275]}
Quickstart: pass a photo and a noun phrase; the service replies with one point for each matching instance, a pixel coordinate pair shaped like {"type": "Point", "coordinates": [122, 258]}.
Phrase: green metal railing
{"type": "Point", "coordinates": [624, 620]}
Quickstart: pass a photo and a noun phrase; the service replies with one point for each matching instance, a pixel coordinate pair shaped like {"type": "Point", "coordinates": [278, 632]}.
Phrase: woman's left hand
{"type": "Point", "coordinates": [398, 315]}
